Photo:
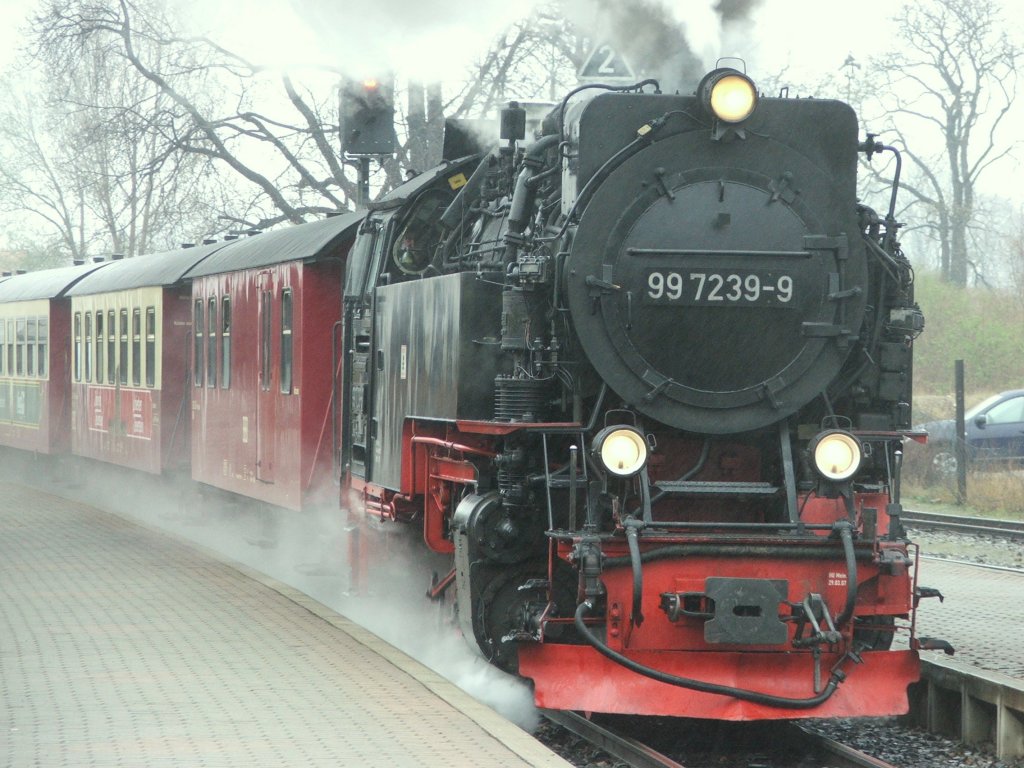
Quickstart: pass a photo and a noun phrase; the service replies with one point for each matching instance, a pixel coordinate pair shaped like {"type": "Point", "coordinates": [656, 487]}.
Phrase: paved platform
{"type": "Point", "coordinates": [120, 646]}
{"type": "Point", "coordinates": [982, 615]}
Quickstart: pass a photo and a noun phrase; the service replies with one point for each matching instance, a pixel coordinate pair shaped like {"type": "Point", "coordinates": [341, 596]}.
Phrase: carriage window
{"type": "Point", "coordinates": [198, 339]}
{"type": "Point", "coordinates": [78, 346]}
{"type": "Point", "coordinates": [3, 347]}
{"type": "Point", "coordinates": [42, 349]}
{"type": "Point", "coordinates": [150, 346]}
{"type": "Point", "coordinates": [111, 346]}
{"type": "Point", "coordinates": [211, 341]}
{"type": "Point", "coordinates": [88, 346]}
{"type": "Point", "coordinates": [122, 364]}
{"type": "Point", "coordinates": [19, 347]}
{"type": "Point", "coordinates": [30, 346]}
{"type": "Point", "coordinates": [100, 358]}
{"type": "Point", "coordinates": [265, 340]}
{"type": "Point", "coordinates": [12, 342]}
{"type": "Point", "coordinates": [286, 342]}
{"type": "Point", "coordinates": [137, 347]}
{"type": "Point", "coordinates": [225, 343]}
{"type": "Point", "coordinates": [19, 352]}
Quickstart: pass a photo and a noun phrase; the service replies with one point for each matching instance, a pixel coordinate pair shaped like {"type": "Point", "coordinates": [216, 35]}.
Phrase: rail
{"type": "Point", "coordinates": [635, 754]}
{"type": "Point", "coordinates": [834, 754]}
{"type": "Point", "coordinates": [1010, 529]}
{"type": "Point", "coordinates": [839, 755]}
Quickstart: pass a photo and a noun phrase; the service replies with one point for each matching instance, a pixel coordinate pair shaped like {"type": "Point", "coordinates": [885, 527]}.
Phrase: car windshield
{"type": "Point", "coordinates": [970, 414]}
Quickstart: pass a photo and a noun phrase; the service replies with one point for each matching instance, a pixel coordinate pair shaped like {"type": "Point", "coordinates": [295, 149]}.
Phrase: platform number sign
{"type": "Point", "coordinates": [606, 65]}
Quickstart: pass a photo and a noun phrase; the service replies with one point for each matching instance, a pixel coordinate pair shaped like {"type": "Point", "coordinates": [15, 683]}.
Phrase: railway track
{"type": "Point", "coordinates": [634, 753]}
{"type": "Point", "coordinates": [838, 755]}
{"type": "Point", "coordinates": [809, 747]}
{"type": "Point", "coordinates": [1009, 529]}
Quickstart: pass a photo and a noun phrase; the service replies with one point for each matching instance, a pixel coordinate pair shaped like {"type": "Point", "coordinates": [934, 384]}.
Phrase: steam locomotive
{"type": "Point", "coordinates": [643, 380]}
{"type": "Point", "coordinates": [646, 379]}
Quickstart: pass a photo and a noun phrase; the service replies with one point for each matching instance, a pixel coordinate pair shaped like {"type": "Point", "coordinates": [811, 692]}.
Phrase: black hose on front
{"type": "Point", "coordinates": [698, 685]}
{"type": "Point", "coordinates": [846, 536]}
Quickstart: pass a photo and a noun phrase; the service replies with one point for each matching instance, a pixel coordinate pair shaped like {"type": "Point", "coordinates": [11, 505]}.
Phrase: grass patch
{"type": "Point", "coordinates": [989, 494]}
{"type": "Point", "coordinates": [998, 494]}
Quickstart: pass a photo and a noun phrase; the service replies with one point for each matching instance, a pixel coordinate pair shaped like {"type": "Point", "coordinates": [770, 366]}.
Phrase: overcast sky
{"type": "Point", "coordinates": [426, 34]}
{"type": "Point", "coordinates": [804, 38]}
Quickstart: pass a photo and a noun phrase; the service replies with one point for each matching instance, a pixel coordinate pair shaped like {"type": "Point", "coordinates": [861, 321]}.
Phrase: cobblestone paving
{"type": "Point", "coordinates": [983, 612]}
{"type": "Point", "coordinates": [121, 646]}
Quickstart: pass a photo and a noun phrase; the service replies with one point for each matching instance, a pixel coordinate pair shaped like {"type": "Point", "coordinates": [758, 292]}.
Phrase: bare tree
{"type": "Point", "coordinates": [38, 175]}
{"type": "Point", "coordinates": [951, 87]}
{"type": "Point", "coordinates": [78, 154]}
{"type": "Point", "coordinates": [1012, 249]}
{"type": "Point", "coordinates": [275, 133]}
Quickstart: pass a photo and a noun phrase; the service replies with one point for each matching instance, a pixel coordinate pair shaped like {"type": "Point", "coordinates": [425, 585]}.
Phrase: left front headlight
{"type": "Point", "coordinates": [622, 450]}
{"type": "Point", "coordinates": [837, 455]}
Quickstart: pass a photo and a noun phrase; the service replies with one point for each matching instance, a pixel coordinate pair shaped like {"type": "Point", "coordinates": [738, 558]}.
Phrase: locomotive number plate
{"type": "Point", "coordinates": [710, 288]}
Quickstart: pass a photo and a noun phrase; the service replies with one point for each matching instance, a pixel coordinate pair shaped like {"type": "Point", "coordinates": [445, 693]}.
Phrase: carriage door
{"type": "Point", "coordinates": [266, 395]}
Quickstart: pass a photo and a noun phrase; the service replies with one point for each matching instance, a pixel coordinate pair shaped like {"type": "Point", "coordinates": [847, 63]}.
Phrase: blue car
{"type": "Point", "coordinates": [994, 431]}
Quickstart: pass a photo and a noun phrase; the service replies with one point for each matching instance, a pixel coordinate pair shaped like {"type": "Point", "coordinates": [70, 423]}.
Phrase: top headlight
{"type": "Point", "coordinates": [621, 450]}
{"type": "Point", "coordinates": [729, 95]}
{"type": "Point", "coordinates": [837, 455]}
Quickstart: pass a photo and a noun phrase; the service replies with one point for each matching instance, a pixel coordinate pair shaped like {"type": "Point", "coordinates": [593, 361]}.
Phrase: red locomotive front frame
{"type": "Point", "coordinates": [682, 635]}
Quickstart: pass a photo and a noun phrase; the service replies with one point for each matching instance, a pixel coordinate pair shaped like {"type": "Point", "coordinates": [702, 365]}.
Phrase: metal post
{"type": "Point", "coordinates": [959, 443]}
{"type": "Point", "coordinates": [364, 181]}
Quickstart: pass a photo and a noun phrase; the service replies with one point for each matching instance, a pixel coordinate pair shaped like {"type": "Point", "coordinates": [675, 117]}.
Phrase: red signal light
{"type": "Point", "coordinates": [368, 117]}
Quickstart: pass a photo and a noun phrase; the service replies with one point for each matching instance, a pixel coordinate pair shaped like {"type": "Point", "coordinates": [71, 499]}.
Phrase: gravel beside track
{"type": "Point", "coordinates": [909, 747]}
{"type": "Point", "coordinates": [972, 548]}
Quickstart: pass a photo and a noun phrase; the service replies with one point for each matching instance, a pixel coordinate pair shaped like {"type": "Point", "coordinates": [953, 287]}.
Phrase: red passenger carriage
{"type": "Point", "coordinates": [129, 361]}
{"type": "Point", "coordinates": [264, 310]}
{"type": "Point", "coordinates": [34, 344]}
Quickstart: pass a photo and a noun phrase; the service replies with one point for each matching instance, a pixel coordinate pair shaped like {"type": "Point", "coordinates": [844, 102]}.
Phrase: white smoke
{"type": "Point", "coordinates": [425, 39]}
